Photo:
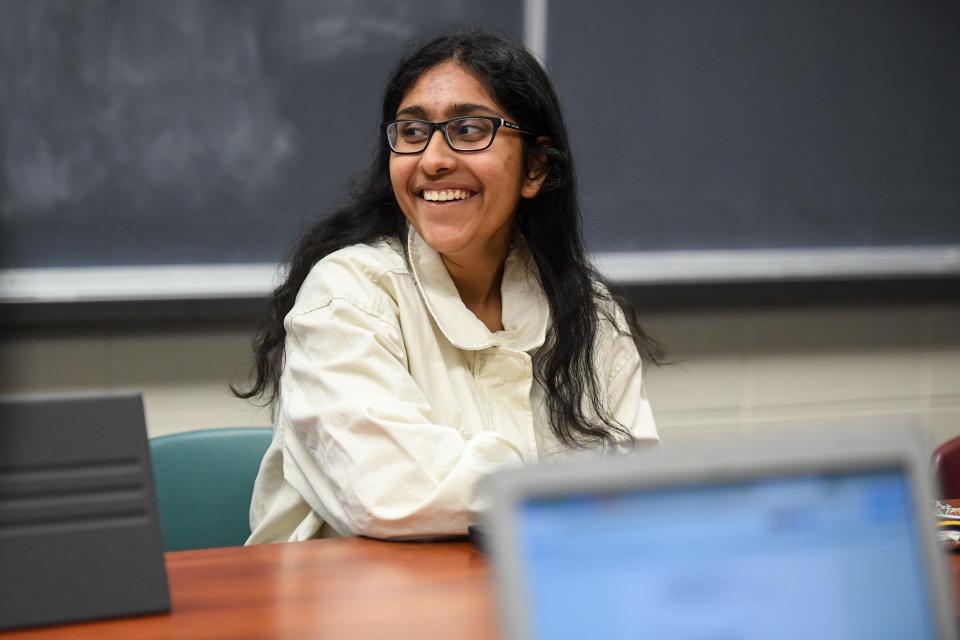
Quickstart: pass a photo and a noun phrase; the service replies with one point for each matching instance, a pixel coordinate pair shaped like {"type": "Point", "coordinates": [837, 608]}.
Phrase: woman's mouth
{"type": "Point", "coordinates": [446, 195]}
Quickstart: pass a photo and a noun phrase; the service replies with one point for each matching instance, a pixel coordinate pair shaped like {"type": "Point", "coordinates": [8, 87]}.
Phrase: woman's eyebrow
{"type": "Point", "coordinates": [413, 110]}
{"type": "Point", "coordinates": [453, 111]}
{"type": "Point", "coordinates": [468, 108]}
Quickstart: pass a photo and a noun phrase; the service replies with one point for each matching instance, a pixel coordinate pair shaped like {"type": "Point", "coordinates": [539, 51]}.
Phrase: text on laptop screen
{"type": "Point", "coordinates": [811, 556]}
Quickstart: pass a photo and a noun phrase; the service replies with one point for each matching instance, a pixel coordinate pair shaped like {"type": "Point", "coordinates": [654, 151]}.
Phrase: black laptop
{"type": "Point", "coordinates": [79, 534]}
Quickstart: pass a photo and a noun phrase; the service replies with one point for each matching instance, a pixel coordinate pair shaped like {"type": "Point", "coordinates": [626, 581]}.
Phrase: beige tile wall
{"type": "Point", "coordinates": [183, 373]}
{"type": "Point", "coordinates": [759, 365]}
{"type": "Point", "coordinates": [732, 366]}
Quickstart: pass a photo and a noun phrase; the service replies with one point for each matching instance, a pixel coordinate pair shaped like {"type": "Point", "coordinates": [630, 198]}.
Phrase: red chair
{"type": "Point", "coordinates": [946, 467]}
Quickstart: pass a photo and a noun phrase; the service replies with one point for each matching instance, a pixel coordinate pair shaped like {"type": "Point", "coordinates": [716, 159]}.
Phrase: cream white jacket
{"type": "Point", "coordinates": [395, 399]}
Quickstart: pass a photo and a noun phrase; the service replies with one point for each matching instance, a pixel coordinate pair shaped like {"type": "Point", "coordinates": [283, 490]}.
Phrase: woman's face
{"type": "Point", "coordinates": [493, 179]}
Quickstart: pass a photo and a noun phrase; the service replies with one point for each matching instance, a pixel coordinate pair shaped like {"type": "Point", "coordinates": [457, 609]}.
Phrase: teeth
{"type": "Point", "coordinates": [446, 194]}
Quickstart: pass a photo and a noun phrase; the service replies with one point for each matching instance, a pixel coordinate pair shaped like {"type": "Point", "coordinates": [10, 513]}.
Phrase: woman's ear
{"type": "Point", "coordinates": [536, 170]}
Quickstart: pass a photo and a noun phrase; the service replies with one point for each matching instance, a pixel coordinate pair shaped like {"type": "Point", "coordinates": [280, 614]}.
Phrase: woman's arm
{"type": "Point", "coordinates": [360, 442]}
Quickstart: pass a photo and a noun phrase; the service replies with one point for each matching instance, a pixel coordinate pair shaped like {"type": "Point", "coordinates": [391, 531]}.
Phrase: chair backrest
{"type": "Point", "coordinates": [204, 481]}
{"type": "Point", "coordinates": [946, 467]}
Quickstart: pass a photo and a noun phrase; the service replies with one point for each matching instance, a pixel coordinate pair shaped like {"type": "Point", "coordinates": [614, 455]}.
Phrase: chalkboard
{"type": "Point", "coordinates": [749, 124]}
{"type": "Point", "coordinates": [193, 132]}
{"type": "Point", "coordinates": [185, 132]}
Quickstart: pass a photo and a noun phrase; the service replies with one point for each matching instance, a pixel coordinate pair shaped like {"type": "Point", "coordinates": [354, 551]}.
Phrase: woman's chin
{"type": "Point", "coordinates": [444, 243]}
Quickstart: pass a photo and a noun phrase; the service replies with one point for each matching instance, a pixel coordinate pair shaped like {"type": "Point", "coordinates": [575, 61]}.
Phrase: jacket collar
{"type": "Point", "coordinates": [525, 308]}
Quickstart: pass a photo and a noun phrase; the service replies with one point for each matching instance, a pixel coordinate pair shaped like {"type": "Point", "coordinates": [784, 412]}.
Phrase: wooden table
{"type": "Point", "coordinates": [344, 588]}
{"type": "Point", "coordinates": [338, 588]}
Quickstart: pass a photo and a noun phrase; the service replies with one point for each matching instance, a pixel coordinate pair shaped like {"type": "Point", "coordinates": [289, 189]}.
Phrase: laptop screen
{"type": "Point", "coordinates": [823, 556]}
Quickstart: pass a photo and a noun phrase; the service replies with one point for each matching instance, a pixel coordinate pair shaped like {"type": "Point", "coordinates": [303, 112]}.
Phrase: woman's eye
{"type": "Point", "coordinates": [471, 129]}
{"type": "Point", "coordinates": [413, 131]}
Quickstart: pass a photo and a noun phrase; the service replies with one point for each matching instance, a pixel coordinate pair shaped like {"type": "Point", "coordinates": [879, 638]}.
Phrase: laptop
{"type": "Point", "coordinates": [79, 534]}
{"type": "Point", "coordinates": [792, 533]}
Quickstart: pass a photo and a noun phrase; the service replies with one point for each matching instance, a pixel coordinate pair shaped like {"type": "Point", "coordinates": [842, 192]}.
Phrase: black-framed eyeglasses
{"type": "Point", "coordinates": [466, 133]}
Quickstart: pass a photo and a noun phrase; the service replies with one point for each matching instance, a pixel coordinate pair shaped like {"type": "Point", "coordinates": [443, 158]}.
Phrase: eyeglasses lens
{"type": "Point", "coordinates": [470, 134]}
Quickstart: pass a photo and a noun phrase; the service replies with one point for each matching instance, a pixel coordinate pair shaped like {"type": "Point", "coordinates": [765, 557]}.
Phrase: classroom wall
{"type": "Point", "coordinates": [734, 365]}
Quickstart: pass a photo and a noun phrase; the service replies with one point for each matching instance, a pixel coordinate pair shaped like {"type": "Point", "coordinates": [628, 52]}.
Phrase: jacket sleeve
{"type": "Point", "coordinates": [360, 444]}
{"type": "Point", "coordinates": [627, 394]}
{"type": "Point", "coordinates": [626, 391]}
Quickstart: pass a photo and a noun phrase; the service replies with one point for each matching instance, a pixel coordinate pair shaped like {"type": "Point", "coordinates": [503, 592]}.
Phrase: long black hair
{"type": "Point", "coordinates": [549, 223]}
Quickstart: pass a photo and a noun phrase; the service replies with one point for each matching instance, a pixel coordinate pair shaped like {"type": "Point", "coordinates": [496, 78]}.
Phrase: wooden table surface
{"type": "Point", "coordinates": [337, 588]}
{"type": "Point", "coordinates": [341, 588]}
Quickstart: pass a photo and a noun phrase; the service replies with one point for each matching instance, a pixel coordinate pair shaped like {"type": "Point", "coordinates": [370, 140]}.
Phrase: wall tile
{"type": "Point", "coordinates": [943, 352]}
{"type": "Point", "coordinates": [706, 357]}
{"type": "Point", "coordinates": [706, 418]}
{"type": "Point", "coordinates": [942, 424]}
{"type": "Point", "coordinates": [697, 384]}
{"type": "Point", "coordinates": [52, 363]}
{"type": "Point", "coordinates": [172, 408]}
{"type": "Point", "coordinates": [177, 356]}
{"type": "Point", "coordinates": [836, 355]}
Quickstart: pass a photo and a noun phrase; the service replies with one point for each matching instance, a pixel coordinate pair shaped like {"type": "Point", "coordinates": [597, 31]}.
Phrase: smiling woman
{"type": "Point", "coordinates": [447, 322]}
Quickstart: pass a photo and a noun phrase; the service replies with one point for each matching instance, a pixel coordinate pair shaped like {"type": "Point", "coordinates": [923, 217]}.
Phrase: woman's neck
{"type": "Point", "coordinates": [478, 282]}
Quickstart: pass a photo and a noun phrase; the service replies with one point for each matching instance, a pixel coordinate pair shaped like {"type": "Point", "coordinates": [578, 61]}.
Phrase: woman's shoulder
{"type": "Point", "coordinates": [358, 272]}
{"type": "Point", "coordinates": [611, 316]}
{"type": "Point", "coordinates": [614, 341]}
{"type": "Point", "coordinates": [370, 260]}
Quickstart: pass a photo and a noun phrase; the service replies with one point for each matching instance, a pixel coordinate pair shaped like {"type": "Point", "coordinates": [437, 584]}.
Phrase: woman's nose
{"type": "Point", "coordinates": [438, 157]}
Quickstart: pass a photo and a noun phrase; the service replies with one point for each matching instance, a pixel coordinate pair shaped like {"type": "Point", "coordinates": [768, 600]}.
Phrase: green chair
{"type": "Point", "coordinates": [204, 480]}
